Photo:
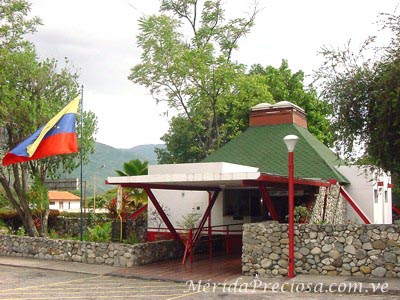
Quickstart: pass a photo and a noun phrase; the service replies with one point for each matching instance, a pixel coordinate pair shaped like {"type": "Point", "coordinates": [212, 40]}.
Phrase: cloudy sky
{"type": "Point", "coordinates": [98, 38]}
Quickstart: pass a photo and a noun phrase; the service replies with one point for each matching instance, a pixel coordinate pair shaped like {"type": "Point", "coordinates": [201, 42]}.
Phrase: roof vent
{"type": "Point", "coordinates": [284, 112]}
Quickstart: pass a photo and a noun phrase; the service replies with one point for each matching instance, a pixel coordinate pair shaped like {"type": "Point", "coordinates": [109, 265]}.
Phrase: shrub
{"type": "Point", "coordinates": [99, 233]}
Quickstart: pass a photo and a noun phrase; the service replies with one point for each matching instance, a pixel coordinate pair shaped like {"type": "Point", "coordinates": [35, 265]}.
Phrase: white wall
{"type": "Point", "coordinates": [374, 200]}
{"type": "Point", "coordinates": [177, 204]}
{"type": "Point", "coordinates": [181, 203]}
{"type": "Point", "coordinates": [67, 205]}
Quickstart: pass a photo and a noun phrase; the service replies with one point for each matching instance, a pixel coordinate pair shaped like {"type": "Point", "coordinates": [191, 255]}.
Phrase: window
{"type": "Point", "coordinates": [52, 203]}
{"type": "Point", "coordinates": [60, 205]}
{"type": "Point", "coordinates": [376, 196]}
{"type": "Point", "coordinates": [241, 203]}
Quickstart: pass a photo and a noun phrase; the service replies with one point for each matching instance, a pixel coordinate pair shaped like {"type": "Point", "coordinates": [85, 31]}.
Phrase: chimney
{"type": "Point", "coordinates": [283, 112]}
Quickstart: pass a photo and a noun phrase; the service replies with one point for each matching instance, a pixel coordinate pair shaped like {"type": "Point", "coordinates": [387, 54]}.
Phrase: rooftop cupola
{"type": "Point", "coordinates": [283, 112]}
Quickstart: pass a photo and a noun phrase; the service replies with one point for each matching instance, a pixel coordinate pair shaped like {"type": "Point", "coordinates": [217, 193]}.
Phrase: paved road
{"type": "Point", "coordinates": [32, 283]}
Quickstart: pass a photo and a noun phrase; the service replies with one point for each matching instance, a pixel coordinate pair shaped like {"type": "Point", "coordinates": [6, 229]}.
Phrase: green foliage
{"type": "Point", "coordinates": [301, 214]}
{"type": "Point", "coordinates": [194, 72]}
{"type": "Point", "coordinates": [32, 92]}
{"type": "Point", "coordinates": [134, 167]}
{"type": "Point", "coordinates": [21, 231]}
{"type": "Point", "coordinates": [38, 194]}
{"type": "Point", "coordinates": [287, 86]}
{"type": "Point", "coordinates": [99, 233]}
{"type": "Point", "coordinates": [189, 221]}
{"type": "Point", "coordinates": [273, 85]}
{"type": "Point", "coordinates": [321, 222]}
{"type": "Point", "coordinates": [11, 219]}
{"type": "Point", "coordinates": [132, 239]}
{"type": "Point", "coordinates": [96, 218]}
{"type": "Point", "coordinates": [101, 201]}
{"type": "Point", "coordinates": [363, 86]}
{"type": "Point", "coordinates": [133, 198]}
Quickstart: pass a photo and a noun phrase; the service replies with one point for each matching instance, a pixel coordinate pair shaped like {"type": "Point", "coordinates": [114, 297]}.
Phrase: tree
{"type": "Point", "coordinates": [135, 197]}
{"type": "Point", "coordinates": [363, 88]}
{"type": "Point", "coordinates": [287, 86]}
{"type": "Point", "coordinates": [195, 73]}
{"type": "Point", "coordinates": [276, 84]}
{"type": "Point", "coordinates": [134, 167]}
{"type": "Point", "coordinates": [32, 92]}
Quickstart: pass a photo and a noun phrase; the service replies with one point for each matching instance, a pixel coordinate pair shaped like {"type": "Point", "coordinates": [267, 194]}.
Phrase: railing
{"type": "Point", "coordinates": [226, 235]}
{"type": "Point", "coordinates": [224, 232]}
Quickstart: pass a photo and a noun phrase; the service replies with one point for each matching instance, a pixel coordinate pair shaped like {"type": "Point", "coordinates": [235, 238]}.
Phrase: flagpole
{"type": "Point", "coordinates": [81, 163]}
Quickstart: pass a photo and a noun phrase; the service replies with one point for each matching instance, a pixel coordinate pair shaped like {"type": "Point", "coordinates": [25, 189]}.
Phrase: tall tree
{"type": "Point", "coordinates": [32, 92]}
{"type": "Point", "coordinates": [187, 62]}
{"type": "Point", "coordinates": [363, 87]}
{"type": "Point", "coordinates": [276, 84]}
{"type": "Point", "coordinates": [284, 85]}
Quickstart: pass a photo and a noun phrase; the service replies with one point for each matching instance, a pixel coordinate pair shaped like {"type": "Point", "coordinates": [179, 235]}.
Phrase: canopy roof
{"type": "Point", "coordinates": [205, 176]}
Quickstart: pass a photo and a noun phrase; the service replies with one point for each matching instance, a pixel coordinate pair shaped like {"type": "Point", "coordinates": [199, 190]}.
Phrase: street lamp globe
{"type": "Point", "coordinates": [291, 141]}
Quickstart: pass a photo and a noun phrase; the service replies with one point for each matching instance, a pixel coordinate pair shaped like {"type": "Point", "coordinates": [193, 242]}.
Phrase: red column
{"type": "Point", "coordinates": [291, 215]}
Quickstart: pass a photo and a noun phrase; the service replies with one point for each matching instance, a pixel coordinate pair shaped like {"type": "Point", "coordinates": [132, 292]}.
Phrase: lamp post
{"type": "Point", "coordinates": [94, 187]}
{"type": "Point", "coordinates": [290, 141]}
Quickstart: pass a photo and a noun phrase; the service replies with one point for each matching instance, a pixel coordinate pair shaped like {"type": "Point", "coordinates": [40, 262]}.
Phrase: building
{"type": "Point", "coordinates": [64, 201]}
{"type": "Point", "coordinates": [246, 181]}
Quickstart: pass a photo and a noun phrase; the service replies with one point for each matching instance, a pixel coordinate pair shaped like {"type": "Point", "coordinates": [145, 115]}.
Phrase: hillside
{"type": "Point", "coordinates": [112, 159]}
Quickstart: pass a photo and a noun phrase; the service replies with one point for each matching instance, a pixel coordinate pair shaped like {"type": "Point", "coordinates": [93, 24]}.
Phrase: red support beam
{"type": "Point", "coordinates": [164, 217]}
{"type": "Point", "coordinates": [189, 246]}
{"type": "Point", "coordinates": [138, 212]}
{"type": "Point", "coordinates": [274, 179]}
{"type": "Point", "coordinates": [267, 202]}
{"type": "Point", "coordinates": [354, 205]}
{"type": "Point", "coordinates": [395, 209]}
{"type": "Point", "coordinates": [204, 218]}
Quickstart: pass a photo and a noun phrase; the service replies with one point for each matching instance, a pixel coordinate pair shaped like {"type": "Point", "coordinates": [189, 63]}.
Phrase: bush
{"type": "Point", "coordinates": [99, 233]}
{"type": "Point", "coordinates": [11, 219]}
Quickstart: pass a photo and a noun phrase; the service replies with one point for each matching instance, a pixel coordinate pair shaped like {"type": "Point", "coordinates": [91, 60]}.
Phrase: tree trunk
{"type": "Point", "coordinates": [45, 222]}
{"type": "Point", "coordinates": [19, 202]}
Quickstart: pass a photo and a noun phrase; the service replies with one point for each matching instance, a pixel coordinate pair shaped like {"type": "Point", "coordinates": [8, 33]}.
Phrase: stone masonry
{"type": "Point", "coordinates": [112, 254]}
{"type": "Point", "coordinates": [335, 206]}
{"type": "Point", "coordinates": [348, 250]}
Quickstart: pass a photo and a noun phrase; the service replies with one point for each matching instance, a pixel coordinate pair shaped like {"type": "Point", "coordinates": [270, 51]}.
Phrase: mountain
{"type": "Point", "coordinates": [106, 159]}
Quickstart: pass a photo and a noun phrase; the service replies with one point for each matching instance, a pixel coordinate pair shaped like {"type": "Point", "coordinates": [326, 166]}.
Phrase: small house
{"type": "Point", "coordinates": [64, 201]}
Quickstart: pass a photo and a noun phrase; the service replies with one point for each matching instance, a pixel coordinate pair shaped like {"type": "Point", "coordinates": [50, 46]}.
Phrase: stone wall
{"type": "Point", "coordinates": [336, 207]}
{"type": "Point", "coordinates": [348, 250]}
{"type": "Point", "coordinates": [112, 254]}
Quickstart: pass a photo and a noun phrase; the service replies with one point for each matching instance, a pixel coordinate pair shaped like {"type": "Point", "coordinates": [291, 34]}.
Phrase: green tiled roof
{"type": "Point", "coordinates": [263, 147]}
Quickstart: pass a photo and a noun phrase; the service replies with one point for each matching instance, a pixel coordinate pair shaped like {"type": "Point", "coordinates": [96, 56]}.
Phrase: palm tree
{"type": "Point", "coordinates": [135, 167]}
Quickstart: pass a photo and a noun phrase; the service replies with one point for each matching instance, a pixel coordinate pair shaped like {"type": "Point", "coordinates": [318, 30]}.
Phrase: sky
{"type": "Point", "coordinates": [99, 39]}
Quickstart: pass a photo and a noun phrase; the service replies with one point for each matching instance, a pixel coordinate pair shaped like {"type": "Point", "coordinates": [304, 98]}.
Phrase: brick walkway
{"type": "Point", "coordinates": [217, 269]}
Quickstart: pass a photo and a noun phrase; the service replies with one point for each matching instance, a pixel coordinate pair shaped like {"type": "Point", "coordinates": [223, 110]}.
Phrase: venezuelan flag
{"type": "Point", "coordinates": [58, 136]}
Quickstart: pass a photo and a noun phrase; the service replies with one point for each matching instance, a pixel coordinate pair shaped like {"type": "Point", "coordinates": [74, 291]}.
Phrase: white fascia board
{"type": "Point", "coordinates": [194, 178]}
{"type": "Point", "coordinates": [200, 168]}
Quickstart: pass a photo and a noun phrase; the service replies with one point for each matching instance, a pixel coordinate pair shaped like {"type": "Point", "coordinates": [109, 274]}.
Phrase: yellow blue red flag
{"type": "Point", "coordinates": [58, 136]}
